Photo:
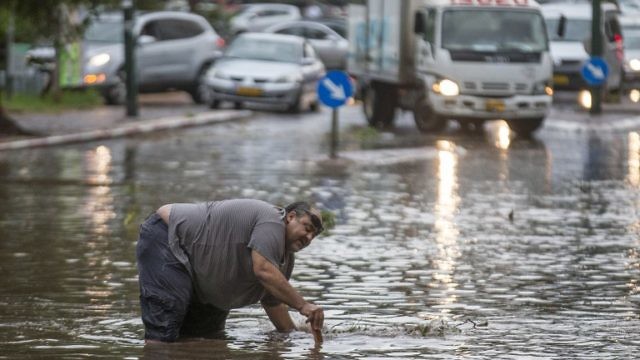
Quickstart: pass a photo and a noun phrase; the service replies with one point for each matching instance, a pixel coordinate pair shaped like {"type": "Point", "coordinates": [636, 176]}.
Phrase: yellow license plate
{"type": "Point", "coordinates": [560, 80]}
{"type": "Point", "coordinates": [249, 91]}
{"type": "Point", "coordinates": [494, 105]}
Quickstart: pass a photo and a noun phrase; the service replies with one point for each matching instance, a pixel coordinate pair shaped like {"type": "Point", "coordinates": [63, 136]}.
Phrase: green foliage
{"type": "Point", "coordinates": [67, 100]}
{"type": "Point", "coordinates": [328, 219]}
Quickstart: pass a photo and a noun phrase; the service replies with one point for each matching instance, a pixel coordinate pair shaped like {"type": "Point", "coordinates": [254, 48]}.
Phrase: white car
{"type": "Point", "coordinates": [267, 68]}
{"type": "Point", "coordinates": [256, 17]}
{"type": "Point", "coordinates": [330, 46]}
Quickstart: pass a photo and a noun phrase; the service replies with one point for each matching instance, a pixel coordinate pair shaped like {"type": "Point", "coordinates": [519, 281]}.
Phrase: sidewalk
{"type": "Point", "coordinates": [156, 112]}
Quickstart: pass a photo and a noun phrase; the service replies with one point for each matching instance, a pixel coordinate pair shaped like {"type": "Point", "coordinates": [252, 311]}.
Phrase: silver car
{"type": "Point", "coordinates": [256, 17]}
{"type": "Point", "coordinates": [330, 46]}
{"type": "Point", "coordinates": [174, 50]}
{"type": "Point", "coordinates": [267, 68]}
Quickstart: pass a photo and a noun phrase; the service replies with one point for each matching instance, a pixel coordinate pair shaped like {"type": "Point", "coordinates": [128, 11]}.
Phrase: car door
{"type": "Point", "coordinates": [329, 46]}
{"type": "Point", "coordinates": [166, 61]}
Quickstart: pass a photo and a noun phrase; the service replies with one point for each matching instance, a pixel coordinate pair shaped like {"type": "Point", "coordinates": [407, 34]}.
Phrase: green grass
{"type": "Point", "coordinates": [68, 100]}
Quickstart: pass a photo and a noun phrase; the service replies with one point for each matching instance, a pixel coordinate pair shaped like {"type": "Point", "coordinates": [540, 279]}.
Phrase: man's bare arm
{"type": "Point", "coordinates": [279, 316]}
{"type": "Point", "coordinates": [278, 285]}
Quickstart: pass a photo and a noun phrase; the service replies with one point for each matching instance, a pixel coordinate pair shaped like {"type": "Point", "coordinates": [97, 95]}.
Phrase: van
{"type": "Point", "coordinates": [569, 29]}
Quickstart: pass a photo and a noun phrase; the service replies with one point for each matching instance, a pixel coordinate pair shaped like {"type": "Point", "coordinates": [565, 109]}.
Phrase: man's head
{"type": "Point", "coordinates": [302, 223]}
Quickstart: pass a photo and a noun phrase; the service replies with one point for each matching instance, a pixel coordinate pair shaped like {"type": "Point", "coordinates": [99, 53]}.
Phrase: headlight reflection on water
{"type": "Point", "coordinates": [445, 227]}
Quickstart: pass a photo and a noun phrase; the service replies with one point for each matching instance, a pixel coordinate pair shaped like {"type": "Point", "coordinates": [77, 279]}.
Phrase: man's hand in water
{"type": "Point", "coordinates": [315, 318]}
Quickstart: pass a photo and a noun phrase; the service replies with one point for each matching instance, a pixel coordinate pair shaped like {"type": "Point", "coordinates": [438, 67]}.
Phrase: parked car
{"type": "Point", "coordinates": [569, 30]}
{"type": "Point", "coordinates": [163, 41]}
{"type": "Point", "coordinates": [328, 44]}
{"type": "Point", "coordinates": [631, 34]}
{"type": "Point", "coordinates": [256, 17]}
{"type": "Point", "coordinates": [267, 68]}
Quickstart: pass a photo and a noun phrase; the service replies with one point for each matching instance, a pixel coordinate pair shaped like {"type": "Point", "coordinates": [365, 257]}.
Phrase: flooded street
{"type": "Point", "coordinates": [474, 245]}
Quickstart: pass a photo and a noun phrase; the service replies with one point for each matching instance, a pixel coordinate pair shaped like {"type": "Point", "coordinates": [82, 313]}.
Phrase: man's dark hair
{"type": "Point", "coordinates": [303, 208]}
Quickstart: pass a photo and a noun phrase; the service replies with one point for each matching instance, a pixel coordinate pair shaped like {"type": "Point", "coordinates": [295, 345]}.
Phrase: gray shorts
{"type": "Point", "coordinates": [169, 311]}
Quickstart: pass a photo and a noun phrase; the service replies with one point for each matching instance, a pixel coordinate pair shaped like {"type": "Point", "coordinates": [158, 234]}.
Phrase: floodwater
{"type": "Point", "coordinates": [465, 245]}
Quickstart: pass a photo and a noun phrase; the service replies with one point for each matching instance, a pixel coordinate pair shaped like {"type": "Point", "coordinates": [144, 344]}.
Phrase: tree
{"type": "Point", "coordinates": [41, 18]}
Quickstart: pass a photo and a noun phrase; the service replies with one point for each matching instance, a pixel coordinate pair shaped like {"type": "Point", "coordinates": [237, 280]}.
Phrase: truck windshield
{"type": "Point", "coordinates": [574, 30]}
{"type": "Point", "coordinates": [105, 30]}
{"type": "Point", "coordinates": [493, 30]}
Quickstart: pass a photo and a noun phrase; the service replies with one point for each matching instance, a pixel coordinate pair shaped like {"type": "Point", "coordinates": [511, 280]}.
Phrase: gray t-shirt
{"type": "Point", "coordinates": [214, 241]}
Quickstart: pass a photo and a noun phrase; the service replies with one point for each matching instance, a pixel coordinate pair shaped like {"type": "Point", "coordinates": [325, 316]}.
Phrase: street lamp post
{"type": "Point", "coordinates": [129, 58]}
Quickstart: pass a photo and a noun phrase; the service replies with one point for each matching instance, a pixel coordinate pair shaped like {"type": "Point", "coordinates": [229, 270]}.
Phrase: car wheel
{"type": "Point", "coordinates": [426, 119]}
{"type": "Point", "coordinates": [295, 107]}
{"type": "Point", "coordinates": [525, 127]}
{"type": "Point", "coordinates": [117, 93]}
{"type": "Point", "coordinates": [200, 92]}
{"type": "Point", "coordinates": [237, 105]}
{"type": "Point", "coordinates": [314, 106]}
{"type": "Point", "coordinates": [214, 104]}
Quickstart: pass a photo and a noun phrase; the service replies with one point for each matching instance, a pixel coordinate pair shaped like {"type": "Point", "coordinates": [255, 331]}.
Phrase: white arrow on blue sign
{"type": "Point", "coordinates": [335, 88]}
{"type": "Point", "coordinates": [595, 71]}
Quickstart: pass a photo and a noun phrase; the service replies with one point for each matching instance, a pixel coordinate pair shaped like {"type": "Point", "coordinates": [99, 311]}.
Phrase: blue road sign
{"type": "Point", "coordinates": [335, 88]}
{"type": "Point", "coordinates": [595, 71]}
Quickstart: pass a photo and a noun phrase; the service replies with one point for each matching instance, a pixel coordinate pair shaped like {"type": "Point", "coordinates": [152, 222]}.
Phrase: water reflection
{"type": "Point", "coordinates": [445, 227]}
{"type": "Point", "coordinates": [633, 159]}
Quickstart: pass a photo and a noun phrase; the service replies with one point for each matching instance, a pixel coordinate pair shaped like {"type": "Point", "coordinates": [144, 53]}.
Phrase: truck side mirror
{"type": "Point", "coordinates": [418, 23]}
{"type": "Point", "coordinates": [562, 26]}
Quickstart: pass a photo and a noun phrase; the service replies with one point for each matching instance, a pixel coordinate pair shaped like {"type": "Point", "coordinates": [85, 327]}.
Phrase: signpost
{"type": "Point", "coordinates": [596, 51]}
{"type": "Point", "coordinates": [334, 89]}
{"type": "Point", "coordinates": [595, 71]}
{"type": "Point", "coordinates": [129, 58]}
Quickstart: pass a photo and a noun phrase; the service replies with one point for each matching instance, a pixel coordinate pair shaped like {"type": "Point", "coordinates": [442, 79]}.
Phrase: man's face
{"type": "Point", "coordinates": [300, 231]}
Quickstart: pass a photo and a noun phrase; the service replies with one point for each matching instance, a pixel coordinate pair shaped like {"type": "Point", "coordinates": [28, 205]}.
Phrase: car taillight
{"type": "Point", "coordinates": [619, 46]}
{"type": "Point", "coordinates": [220, 43]}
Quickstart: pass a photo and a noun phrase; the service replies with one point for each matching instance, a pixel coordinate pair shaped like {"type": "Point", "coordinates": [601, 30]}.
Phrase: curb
{"type": "Point", "coordinates": [137, 127]}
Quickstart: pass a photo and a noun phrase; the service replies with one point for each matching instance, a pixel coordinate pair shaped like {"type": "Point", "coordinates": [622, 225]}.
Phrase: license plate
{"type": "Point", "coordinates": [494, 105]}
{"type": "Point", "coordinates": [249, 91]}
{"type": "Point", "coordinates": [560, 80]}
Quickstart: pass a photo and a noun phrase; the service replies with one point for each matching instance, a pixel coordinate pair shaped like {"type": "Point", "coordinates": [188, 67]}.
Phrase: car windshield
{"type": "Point", "coordinates": [493, 31]}
{"type": "Point", "coordinates": [265, 49]}
{"type": "Point", "coordinates": [105, 30]}
{"type": "Point", "coordinates": [574, 30]}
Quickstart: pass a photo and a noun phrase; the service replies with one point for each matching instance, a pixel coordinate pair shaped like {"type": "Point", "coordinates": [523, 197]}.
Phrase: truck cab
{"type": "Point", "coordinates": [466, 60]}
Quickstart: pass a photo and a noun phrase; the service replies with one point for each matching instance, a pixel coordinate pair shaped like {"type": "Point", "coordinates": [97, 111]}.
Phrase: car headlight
{"type": "Point", "coordinates": [543, 88]}
{"type": "Point", "coordinates": [99, 60]}
{"type": "Point", "coordinates": [289, 78]}
{"type": "Point", "coordinates": [446, 87]}
{"type": "Point", "coordinates": [634, 64]}
{"type": "Point", "coordinates": [217, 74]}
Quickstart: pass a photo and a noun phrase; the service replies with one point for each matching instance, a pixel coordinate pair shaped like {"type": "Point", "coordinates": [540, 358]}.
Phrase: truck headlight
{"type": "Point", "coordinates": [446, 87]}
{"type": "Point", "coordinates": [634, 64]}
{"type": "Point", "coordinates": [543, 88]}
{"type": "Point", "coordinates": [99, 60]}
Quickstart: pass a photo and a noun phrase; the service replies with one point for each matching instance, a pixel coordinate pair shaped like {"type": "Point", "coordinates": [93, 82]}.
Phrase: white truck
{"type": "Point", "coordinates": [467, 60]}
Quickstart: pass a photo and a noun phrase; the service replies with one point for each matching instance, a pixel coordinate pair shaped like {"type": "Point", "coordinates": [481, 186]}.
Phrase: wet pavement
{"type": "Point", "coordinates": [465, 244]}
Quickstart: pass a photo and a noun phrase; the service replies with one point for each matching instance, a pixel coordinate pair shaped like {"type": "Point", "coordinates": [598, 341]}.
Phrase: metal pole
{"type": "Point", "coordinates": [334, 133]}
{"type": "Point", "coordinates": [596, 50]}
{"type": "Point", "coordinates": [129, 58]}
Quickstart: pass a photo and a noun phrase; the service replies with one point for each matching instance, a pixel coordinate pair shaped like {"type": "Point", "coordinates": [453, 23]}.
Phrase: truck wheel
{"type": "Point", "coordinates": [379, 104]}
{"type": "Point", "coordinates": [426, 120]}
{"type": "Point", "coordinates": [525, 127]}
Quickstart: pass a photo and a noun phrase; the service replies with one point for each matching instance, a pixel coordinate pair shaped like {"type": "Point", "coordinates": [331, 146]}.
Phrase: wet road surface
{"type": "Point", "coordinates": [476, 245]}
